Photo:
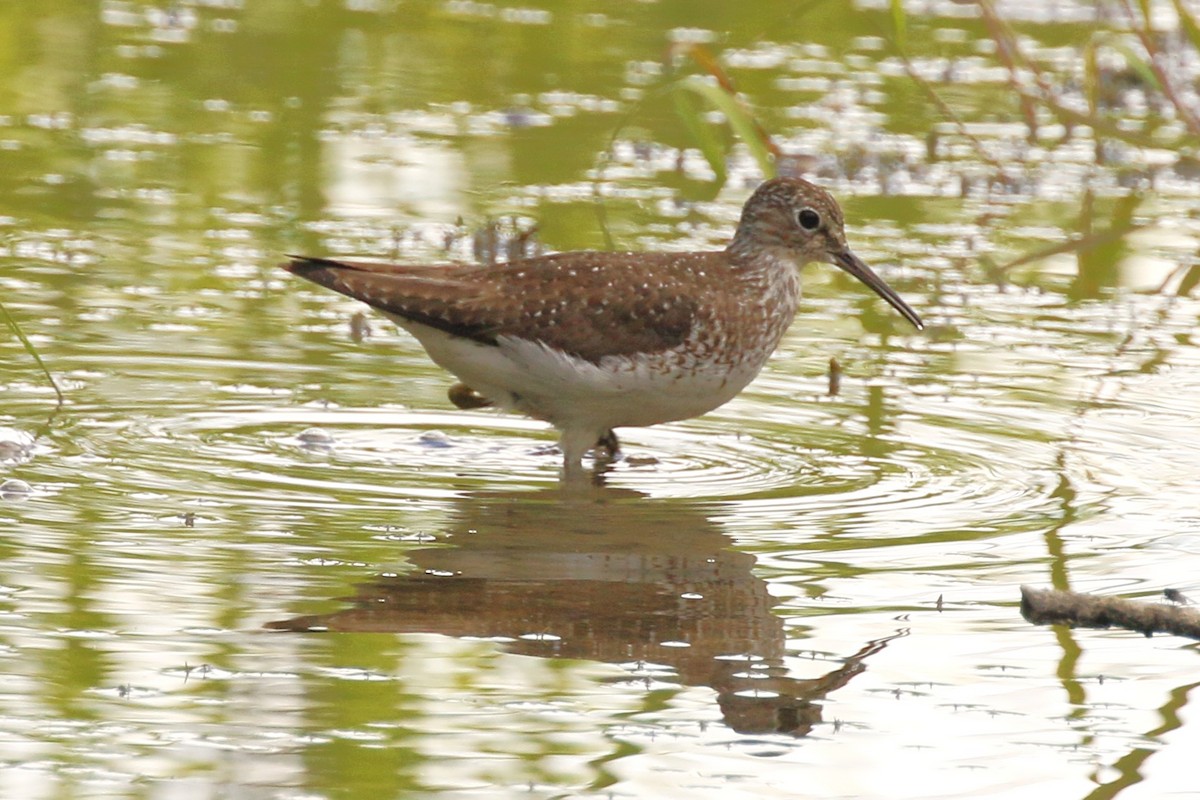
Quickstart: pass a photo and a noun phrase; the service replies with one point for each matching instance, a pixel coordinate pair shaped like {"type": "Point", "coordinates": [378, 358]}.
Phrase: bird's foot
{"type": "Point", "coordinates": [467, 398]}
{"type": "Point", "coordinates": [607, 448]}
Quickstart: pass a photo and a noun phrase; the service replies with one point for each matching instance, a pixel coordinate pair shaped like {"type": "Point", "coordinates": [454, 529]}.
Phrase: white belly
{"type": "Point", "coordinates": [570, 392]}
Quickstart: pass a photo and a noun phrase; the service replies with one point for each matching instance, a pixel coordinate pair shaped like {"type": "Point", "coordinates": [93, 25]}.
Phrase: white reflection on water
{"type": "Point", "coordinates": [843, 570]}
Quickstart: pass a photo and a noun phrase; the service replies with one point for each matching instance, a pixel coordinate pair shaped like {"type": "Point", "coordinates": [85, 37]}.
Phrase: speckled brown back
{"type": "Point", "coordinates": [731, 304]}
{"type": "Point", "coordinates": [587, 304]}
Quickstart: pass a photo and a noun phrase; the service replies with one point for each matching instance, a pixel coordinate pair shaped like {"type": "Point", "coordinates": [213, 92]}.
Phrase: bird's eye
{"type": "Point", "coordinates": [809, 220]}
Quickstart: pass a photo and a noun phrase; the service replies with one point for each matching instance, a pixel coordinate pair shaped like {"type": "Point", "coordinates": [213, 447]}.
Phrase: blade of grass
{"type": "Point", "coordinates": [704, 59]}
{"type": "Point", "coordinates": [1091, 76]}
{"type": "Point", "coordinates": [29, 348]}
{"type": "Point", "coordinates": [692, 115]}
{"type": "Point", "coordinates": [1188, 22]}
{"type": "Point", "coordinates": [899, 24]}
{"type": "Point", "coordinates": [1145, 35]}
{"type": "Point", "coordinates": [1138, 64]}
{"type": "Point", "coordinates": [743, 124]}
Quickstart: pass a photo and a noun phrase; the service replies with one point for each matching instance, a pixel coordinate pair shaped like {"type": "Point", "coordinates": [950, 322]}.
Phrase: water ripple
{"type": "Point", "coordinates": [834, 459]}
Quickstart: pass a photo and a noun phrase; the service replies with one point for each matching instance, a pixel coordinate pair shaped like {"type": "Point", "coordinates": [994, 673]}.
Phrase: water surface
{"type": "Point", "coordinates": [262, 557]}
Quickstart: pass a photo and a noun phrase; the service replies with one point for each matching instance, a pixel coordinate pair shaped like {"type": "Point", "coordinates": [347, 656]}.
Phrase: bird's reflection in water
{"type": "Point", "coordinates": [607, 576]}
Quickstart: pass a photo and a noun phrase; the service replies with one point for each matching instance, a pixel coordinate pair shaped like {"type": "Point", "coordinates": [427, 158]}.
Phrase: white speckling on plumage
{"type": "Point", "coordinates": [595, 341]}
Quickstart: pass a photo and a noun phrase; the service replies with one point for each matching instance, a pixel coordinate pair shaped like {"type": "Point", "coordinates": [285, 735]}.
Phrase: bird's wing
{"type": "Point", "coordinates": [585, 304]}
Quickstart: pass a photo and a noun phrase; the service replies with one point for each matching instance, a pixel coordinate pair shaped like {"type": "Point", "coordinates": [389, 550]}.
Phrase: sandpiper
{"type": "Point", "coordinates": [594, 341]}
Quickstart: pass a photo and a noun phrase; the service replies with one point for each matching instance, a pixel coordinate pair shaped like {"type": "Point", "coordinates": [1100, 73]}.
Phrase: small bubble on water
{"type": "Point", "coordinates": [434, 439]}
{"type": "Point", "coordinates": [315, 437]}
{"type": "Point", "coordinates": [15, 489]}
{"type": "Point", "coordinates": [11, 451]}
{"type": "Point", "coordinates": [15, 445]}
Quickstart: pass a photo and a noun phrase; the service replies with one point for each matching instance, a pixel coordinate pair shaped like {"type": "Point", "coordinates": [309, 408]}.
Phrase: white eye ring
{"type": "Point", "coordinates": [808, 219]}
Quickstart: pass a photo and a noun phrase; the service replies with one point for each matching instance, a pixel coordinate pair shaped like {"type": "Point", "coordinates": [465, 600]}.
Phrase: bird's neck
{"type": "Point", "coordinates": [743, 247]}
{"type": "Point", "coordinates": [772, 262]}
{"type": "Point", "coordinates": [768, 277]}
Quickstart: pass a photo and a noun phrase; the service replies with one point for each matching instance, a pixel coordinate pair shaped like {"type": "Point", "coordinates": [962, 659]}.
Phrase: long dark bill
{"type": "Point", "coordinates": [855, 266]}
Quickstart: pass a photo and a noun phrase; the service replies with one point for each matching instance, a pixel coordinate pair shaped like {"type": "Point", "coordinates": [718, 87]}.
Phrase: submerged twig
{"type": "Point", "coordinates": [1054, 607]}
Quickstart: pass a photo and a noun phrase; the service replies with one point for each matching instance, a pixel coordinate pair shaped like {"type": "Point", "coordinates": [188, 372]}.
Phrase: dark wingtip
{"type": "Point", "coordinates": [296, 265]}
{"type": "Point", "coordinates": [312, 267]}
{"type": "Point", "coordinates": [300, 264]}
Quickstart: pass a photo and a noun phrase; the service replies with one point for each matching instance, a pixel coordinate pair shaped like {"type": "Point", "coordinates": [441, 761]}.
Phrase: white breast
{"type": "Point", "coordinates": [568, 391]}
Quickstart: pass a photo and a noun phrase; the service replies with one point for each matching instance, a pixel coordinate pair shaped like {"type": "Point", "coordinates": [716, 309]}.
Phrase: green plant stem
{"type": "Point", "coordinates": [29, 348]}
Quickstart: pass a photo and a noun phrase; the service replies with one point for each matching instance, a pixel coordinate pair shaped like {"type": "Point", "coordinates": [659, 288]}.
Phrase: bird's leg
{"type": "Point", "coordinates": [574, 444]}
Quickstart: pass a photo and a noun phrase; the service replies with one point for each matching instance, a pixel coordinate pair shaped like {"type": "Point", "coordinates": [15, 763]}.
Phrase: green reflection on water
{"type": "Point", "coordinates": [153, 169]}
